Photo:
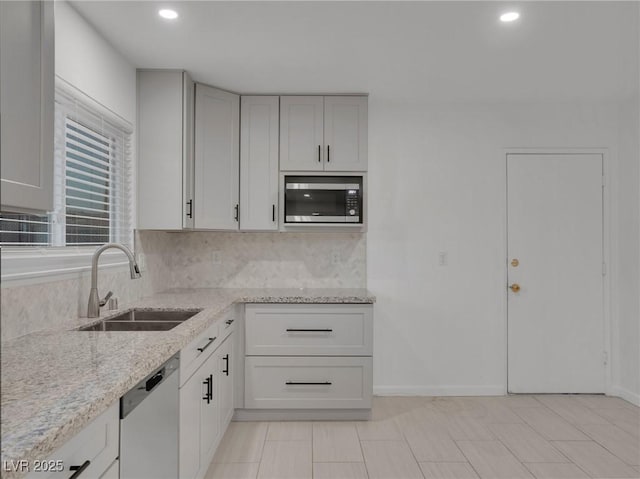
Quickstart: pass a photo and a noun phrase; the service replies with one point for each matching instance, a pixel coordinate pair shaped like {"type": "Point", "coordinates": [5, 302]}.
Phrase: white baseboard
{"type": "Point", "coordinates": [495, 390]}
{"type": "Point", "coordinates": [625, 394]}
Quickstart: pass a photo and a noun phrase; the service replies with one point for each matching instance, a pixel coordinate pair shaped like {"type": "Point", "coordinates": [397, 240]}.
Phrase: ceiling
{"type": "Point", "coordinates": [406, 51]}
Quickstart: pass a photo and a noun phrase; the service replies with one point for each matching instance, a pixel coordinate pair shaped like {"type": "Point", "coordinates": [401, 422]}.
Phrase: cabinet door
{"type": "Point", "coordinates": [188, 99]}
{"type": "Point", "coordinates": [27, 105]}
{"type": "Point", "coordinates": [217, 160]}
{"type": "Point", "coordinates": [226, 368]}
{"type": "Point", "coordinates": [209, 415]}
{"type": "Point", "coordinates": [259, 163]}
{"type": "Point", "coordinates": [191, 402]}
{"type": "Point", "coordinates": [345, 133]}
{"type": "Point", "coordinates": [161, 107]}
{"type": "Point", "coordinates": [301, 138]}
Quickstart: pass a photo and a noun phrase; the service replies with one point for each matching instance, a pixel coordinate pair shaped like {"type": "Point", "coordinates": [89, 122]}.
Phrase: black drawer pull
{"type": "Point", "coordinates": [303, 383]}
{"type": "Point", "coordinates": [292, 330]}
{"type": "Point", "coordinates": [190, 213]}
{"type": "Point", "coordinates": [79, 469]}
{"type": "Point", "coordinates": [211, 340]}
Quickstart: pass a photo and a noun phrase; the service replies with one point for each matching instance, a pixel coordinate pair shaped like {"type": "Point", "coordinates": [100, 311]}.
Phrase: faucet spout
{"type": "Point", "coordinates": [93, 308]}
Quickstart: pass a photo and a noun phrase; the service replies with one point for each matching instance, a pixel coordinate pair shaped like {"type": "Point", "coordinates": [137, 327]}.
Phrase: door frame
{"type": "Point", "coordinates": [607, 197]}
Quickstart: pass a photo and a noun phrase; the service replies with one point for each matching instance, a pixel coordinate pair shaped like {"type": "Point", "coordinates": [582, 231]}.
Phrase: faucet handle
{"type": "Point", "coordinates": [113, 304]}
{"type": "Point", "coordinates": [104, 300]}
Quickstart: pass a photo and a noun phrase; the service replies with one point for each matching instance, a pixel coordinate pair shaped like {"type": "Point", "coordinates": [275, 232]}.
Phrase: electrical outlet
{"type": "Point", "coordinates": [216, 257]}
{"type": "Point", "coordinates": [335, 258]}
{"type": "Point", "coordinates": [443, 259]}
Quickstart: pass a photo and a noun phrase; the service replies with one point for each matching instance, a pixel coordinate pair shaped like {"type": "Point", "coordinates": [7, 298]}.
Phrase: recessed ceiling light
{"type": "Point", "coordinates": [509, 16]}
{"type": "Point", "coordinates": [168, 14]}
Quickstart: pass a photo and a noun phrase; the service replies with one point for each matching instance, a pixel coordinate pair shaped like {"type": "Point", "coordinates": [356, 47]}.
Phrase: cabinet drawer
{"type": "Point", "coordinates": [197, 351]}
{"type": "Point", "coordinates": [309, 330]}
{"type": "Point", "coordinates": [96, 443]}
{"type": "Point", "coordinates": [308, 383]}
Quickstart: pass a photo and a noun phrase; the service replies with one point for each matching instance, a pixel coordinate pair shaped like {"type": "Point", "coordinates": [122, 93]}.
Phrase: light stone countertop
{"type": "Point", "coordinates": [55, 382]}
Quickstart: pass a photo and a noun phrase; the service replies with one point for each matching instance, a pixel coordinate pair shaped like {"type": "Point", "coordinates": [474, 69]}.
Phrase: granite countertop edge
{"type": "Point", "coordinates": [48, 426]}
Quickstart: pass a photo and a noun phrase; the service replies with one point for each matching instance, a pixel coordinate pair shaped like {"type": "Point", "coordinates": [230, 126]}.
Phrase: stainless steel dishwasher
{"type": "Point", "coordinates": [149, 425]}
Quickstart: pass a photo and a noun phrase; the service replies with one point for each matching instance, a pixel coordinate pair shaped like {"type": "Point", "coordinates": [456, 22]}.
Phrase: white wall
{"type": "Point", "coordinates": [87, 61]}
{"type": "Point", "coordinates": [437, 183]}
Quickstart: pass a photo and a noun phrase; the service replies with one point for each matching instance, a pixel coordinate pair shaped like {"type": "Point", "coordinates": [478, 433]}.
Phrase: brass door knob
{"type": "Point", "coordinates": [515, 287]}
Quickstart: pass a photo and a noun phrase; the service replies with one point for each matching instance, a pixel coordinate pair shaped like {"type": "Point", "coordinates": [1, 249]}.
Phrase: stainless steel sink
{"type": "Point", "coordinates": [142, 320]}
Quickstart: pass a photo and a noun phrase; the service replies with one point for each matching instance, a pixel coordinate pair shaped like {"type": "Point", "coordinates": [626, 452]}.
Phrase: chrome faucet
{"type": "Point", "coordinates": [95, 303]}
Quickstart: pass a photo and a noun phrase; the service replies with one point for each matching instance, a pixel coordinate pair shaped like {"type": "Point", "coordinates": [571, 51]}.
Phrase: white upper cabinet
{"type": "Point", "coordinates": [301, 133]}
{"type": "Point", "coordinates": [323, 133]}
{"type": "Point", "coordinates": [217, 160]}
{"type": "Point", "coordinates": [26, 105]}
{"type": "Point", "coordinates": [345, 133]}
{"type": "Point", "coordinates": [259, 163]}
{"type": "Point", "coordinates": [165, 147]}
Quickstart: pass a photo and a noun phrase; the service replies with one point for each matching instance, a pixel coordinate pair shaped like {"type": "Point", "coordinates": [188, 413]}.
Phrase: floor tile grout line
{"type": "Point", "coordinates": [468, 461]}
{"type": "Point", "coordinates": [603, 446]}
{"type": "Point", "coordinates": [364, 460]}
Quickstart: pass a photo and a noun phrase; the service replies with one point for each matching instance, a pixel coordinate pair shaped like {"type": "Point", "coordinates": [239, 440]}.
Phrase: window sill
{"type": "Point", "coordinates": [22, 266]}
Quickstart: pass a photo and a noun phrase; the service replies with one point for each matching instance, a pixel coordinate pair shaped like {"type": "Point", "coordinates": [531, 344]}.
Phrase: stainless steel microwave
{"type": "Point", "coordinates": [322, 199]}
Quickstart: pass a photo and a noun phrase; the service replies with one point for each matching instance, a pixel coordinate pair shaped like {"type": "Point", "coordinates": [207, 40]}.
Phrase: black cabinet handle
{"type": "Point", "coordinates": [79, 469]}
{"type": "Point", "coordinates": [211, 340]}
{"type": "Point", "coordinates": [303, 383]}
{"type": "Point", "coordinates": [273, 213]}
{"type": "Point", "coordinates": [237, 213]}
{"type": "Point", "coordinates": [289, 330]}
{"type": "Point", "coordinates": [319, 153]}
{"type": "Point", "coordinates": [328, 154]}
{"type": "Point", "coordinates": [209, 394]}
{"type": "Point", "coordinates": [190, 213]}
{"type": "Point", "coordinates": [226, 369]}
{"type": "Point", "coordinates": [229, 322]}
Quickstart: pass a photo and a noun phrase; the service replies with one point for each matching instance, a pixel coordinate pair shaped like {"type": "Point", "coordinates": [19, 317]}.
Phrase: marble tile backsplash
{"type": "Point", "coordinates": [193, 260]}
{"type": "Point", "coordinates": [267, 260]}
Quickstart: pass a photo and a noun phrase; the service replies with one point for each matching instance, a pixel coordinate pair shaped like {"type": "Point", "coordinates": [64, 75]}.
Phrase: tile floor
{"type": "Point", "coordinates": [543, 437]}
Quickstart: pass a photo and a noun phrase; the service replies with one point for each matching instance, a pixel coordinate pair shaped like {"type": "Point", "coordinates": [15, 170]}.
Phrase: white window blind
{"type": "Point", "coordinates": [93, 194]}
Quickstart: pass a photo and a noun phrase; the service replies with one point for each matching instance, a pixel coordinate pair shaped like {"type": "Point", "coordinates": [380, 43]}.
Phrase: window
{"type": "Point", "coordinates": [92, 191]}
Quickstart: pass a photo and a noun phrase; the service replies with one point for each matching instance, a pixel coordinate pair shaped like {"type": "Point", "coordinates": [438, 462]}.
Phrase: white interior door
{"type": "Point", "coordinates": [555, 255]}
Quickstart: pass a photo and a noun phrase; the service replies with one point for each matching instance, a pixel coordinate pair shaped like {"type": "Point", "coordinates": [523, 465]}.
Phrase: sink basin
{"type": "Point", "coordinates": [142, 320]}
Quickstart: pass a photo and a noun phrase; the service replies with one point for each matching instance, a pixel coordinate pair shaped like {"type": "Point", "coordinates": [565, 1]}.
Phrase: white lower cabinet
{"type": "Point", "coordinates": [308, 357]}
{"type": "Point", "coordinates": [206, 407]}
{"type": "Point", "coordinates": [94, 449]}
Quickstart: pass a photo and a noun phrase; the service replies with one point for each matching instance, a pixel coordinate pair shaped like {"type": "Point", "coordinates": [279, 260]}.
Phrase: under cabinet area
{"type": "Point", "coordinates": [311, 357]}
{"type": "Point", "coordinates": [323, 133]}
